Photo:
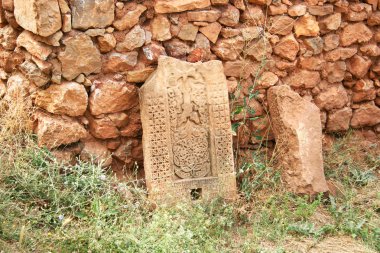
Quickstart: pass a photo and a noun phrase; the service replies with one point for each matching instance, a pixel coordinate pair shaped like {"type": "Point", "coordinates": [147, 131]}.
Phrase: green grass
{"type": "Point", "coordinates": [48, 207]}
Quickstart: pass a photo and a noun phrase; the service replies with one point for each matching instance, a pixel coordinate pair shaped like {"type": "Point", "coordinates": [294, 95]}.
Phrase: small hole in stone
{"type": "Point", "coordinates": [196, 194]}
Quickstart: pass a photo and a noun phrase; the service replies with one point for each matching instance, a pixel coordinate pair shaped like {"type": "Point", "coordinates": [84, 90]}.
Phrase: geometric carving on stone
{"type": "Point", "coordinates": [187, 137]}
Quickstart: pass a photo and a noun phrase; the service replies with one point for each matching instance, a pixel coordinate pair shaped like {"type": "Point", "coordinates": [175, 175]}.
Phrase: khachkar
{"type": "Point", "coordinates": [187, 132]}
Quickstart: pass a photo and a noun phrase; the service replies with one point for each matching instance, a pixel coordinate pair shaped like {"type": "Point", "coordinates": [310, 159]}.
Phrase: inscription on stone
{"type": "Point", "coordinates": [187, 132]}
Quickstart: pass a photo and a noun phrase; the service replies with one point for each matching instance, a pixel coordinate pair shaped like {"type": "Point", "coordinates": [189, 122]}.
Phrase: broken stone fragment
{"type": "Point", "coordinates": [133, 129]}
{"type": "Point", "coordinates": [139, 76]}
{"type": "Point", "coordinates": [266, 80]}
{"type": "Point", "coordinates": [230, 15]}
{"type": "Point", "coordinates": [358, 66]}
{"type": "Point", "coordinates": [339, 120]}
{"type": "Point", "coordinates": [106, 43]}
{"type": "Point", "coordinates": [96, 152]}
{"type": "Point", "coordinates": [229, 49]}
{"type": "Point", "coordinates": [341, 53]}
{"type": "Point", "coordinates": [10, 60]}
{"type": "Point", "coordinates": [251, 33]}
{"type": "Point", "coordinates": [130, 19]}
{"type": "Point", "coordinates": [260, 49]}
{"type": "Point", "coordinates": [10, 19]}
{"type": "Point", "coordinates": [260, 2]}
{"type": "Point", "coordinates": [239, 69]}
{"type": "Point", "coordinates": [8, 37]}
{"type": "Point", "coordinates": [219, 2]}
{"type": "Point", "coordinates": [334, 72]}
{"type": "Point", "coordinates": [330, 23]}
{"type": "Point", "coordinates": [370, 50]}
{"type": "Point", "coordinates": [54, 131]}
{"type": "Point", "coordinates": [38, 49]}
{"type": "Point", "coordinates": [357, 14]}
{"type": "Point", "coordinates": [314, 44]}
{"type": "Point", "coordinates": [298, 133]}
{"type": "Point", "coordinates": [64, 7]}
{"type": "Point", "coordinates": [281, 25]}
{"type": "Point", "coordinates": [306, 25]}
{"type": "Point", "coordinates": [107, 126]}
{"type": "Point", "coordinates": [124, 151]}
{"type": "Point", "coordinates": [330, 41]}
{"type": "Point", "coordinates": [367, 114]}
{"type": "Point", "coordinates": [297, 10]}
{"type": "Point", "coordinates": [52, 40]}
{"type": "Point", "coordinates": [333, 97]}
{"type": "Point", "coordinates": [34, 73]}
{"type": "Point", "coordinates": [188, 32]}
{"type": "Point", "coordinates": [117, 62]}
{"type": "Point", "coordinates": [8, 5]}
{"type": "Point", "coordinates": [18, 86]}
{"type": "Point", "coordinates": [169, 6]}
{"type": "Point", "coordinates": [202, 42]}
{"type": "Point", "coordinates": [355, 32]}
{"type": "Point", "coordinates": [66, 23]}
{"type": "Point", "coordinates": [69, 98]}
{"type": "Point", "coordinates": [92, 14]}
{"type": "Point", "coordinates": [95, 32]}
{"type": "Point", "coordinates": [56, 72]}
{"type": "Point", "coordinates": [111, 96]}
{"type": "Point", "coordinates": [312, 63]}
{"type": "Point", "coordinates": [80, 56]}
{"type": "Point", "coordinates": [228, 32]}
{"type": "Point", "coordinates": [303, 79]}
{"type": "Point", "coordinates": [161, 28]}
{"type": "Point", "coordinates": [287, 48]}
{"type": "Point", "coordinates": [44, 66]}
{"type": "Point", "coordinates": [41, 17]}
{"type": "Point", "coordinates": [363, 90]}
{"type": "Point", "coordinates": [134, 39]}
{"type": "Point", "coordinates": [152, 51]}
{"type": "Point", "coordinates": [374, 19]}
{"type": "Point", "coordinates": [211, 31]}
{"type": "Point", "coordinates": [240, 4]}
{"type": "Point", "coordinates": [204, 15]}
{"type": "Point", "coordinates": [176, 48]}
{"type": "Point", "coordinates": [321, 10]}
{"type": "Point", "coordinates": [196, 55]}
{"type": "Point", "coordinates": [278, 9]}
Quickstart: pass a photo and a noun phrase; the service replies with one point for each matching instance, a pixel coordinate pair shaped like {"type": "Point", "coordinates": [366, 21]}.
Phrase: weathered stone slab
{"type": "Point", "coordinates": [297, 128]}
{"type": "Point", "coordinates": [55, 130]}
{"type": "Point", "coordinates": [171, 6]}
{"type": "Point", "coordinates": [41, 17]}
{"type": "Point", "coordinates": [69, 98]}
{"type": "Point", "coordinates": [80, 52]}
{"type": "Point", "coordinates": [92, 13]}
{"type": "Point", "coordinates": [187, 132]}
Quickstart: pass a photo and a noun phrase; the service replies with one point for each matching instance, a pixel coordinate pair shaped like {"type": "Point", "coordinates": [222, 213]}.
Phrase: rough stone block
{"type": "Point", "coordinates": [298, 132]}
{"type": "Point", "coordinates": [41, 17]}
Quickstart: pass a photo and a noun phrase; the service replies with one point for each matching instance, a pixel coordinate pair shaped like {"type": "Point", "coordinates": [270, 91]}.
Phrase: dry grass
{"type": "Point", "coordinates": [16, 124]}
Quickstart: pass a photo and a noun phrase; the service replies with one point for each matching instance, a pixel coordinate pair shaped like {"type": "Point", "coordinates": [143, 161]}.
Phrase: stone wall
{"type": "Point", "coordinates": [81, 62]}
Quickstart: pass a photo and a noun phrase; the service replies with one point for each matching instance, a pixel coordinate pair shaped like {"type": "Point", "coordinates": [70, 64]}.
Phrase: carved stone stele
{"type": "Point", "coordinates": [187, 132]}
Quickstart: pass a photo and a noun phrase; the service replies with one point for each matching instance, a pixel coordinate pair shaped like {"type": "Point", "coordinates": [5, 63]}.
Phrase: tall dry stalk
{"type": "Point", "coordinates": [15, 125]}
